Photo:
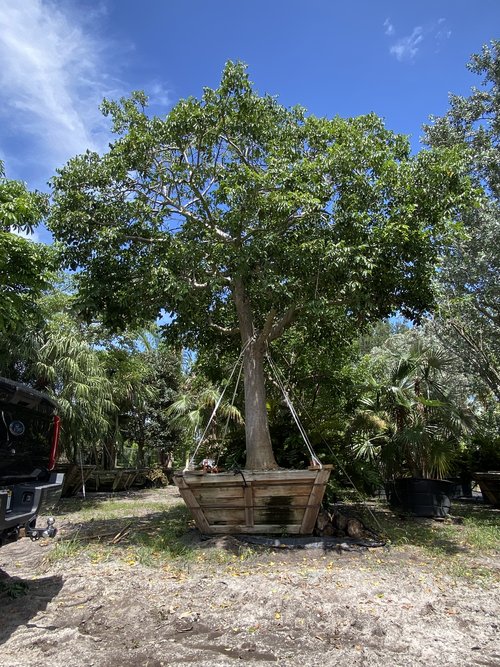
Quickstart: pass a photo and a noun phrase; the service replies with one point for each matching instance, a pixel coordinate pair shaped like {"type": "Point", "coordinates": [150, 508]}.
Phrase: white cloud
{"type": "Point", "coordinates": [406, 48]}
{"type": "Point", "coordinates": [158, 95]}
{"type": "Point", "coordinates": [442, 31]}
{"type": "Point", "coordinates": [52, 79]}
{"type": "Point", "coordinates": [389, 28]}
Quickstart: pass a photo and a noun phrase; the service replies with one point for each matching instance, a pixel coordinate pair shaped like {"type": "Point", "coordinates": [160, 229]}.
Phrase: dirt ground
{"type": "Point", "coordinates": [383, 606]}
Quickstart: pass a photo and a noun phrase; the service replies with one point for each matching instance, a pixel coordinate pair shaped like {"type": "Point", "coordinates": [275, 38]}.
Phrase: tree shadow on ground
{"type": "Point", "coordinates": [22, 599]}
{"type": "Point", "coordinates": [97, 499]}
{"type": "Point", "coordinates": [166, 533]}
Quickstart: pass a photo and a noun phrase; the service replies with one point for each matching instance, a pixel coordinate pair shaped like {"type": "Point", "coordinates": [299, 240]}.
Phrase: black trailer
{"type": "Point", "coordinates": [29, 485]}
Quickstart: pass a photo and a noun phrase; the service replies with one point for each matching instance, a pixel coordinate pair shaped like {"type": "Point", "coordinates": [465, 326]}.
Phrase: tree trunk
{"type": "Point", "coordinates": [258, 439]}
{"type": "Point", "coordinates": [259, 450]}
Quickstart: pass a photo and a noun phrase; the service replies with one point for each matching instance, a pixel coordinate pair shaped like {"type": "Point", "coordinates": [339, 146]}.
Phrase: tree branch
{"type": "Point", "coordinates": [227, 331]}
{"type": "Point", "coordinates": [286, 321]}
{"type": "Point", "coordinates": [242, 155]}
{"type": "Point", "coordinates": [143, 239]}
{"type": "Point", "coordinates": [268, 325]}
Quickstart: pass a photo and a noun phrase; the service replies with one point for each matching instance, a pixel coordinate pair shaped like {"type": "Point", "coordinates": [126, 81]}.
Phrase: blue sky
{"type": "Point", "coordinates": [58, 59]}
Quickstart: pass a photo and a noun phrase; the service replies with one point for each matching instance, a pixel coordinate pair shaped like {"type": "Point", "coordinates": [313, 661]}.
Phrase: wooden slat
{"type": "Point", "coordinates": [259, 497]}
{"type": "Point", "coordinates": [257, 529]}
{"type": "Point", "coordinates": [291, 501]}
{"type": "Point", "coordinates": [192, 503]}
{"type": "Point", "coordinates": [204, 494]}
{"type": "Point", "coordinates": [227, 517]}
{"type": "Point", "coordinates": [262, 477]}
{"type": "Point", "coordinates": [262, 490]}
{"type": "Point", "coordinates": [272, 514]}
{"type": "Point", "coordinates": [249, 511]}
{"type": "Point", "coordinates": [223, 503]}
{"type": "Point", "coordinates": [317, 493]}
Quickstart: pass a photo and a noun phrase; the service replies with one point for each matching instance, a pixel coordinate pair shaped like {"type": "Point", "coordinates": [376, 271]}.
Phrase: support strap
{"type": "Point", "coordinates": [288, 401]}
{"type": "Point", "coordinates": [239, 361]}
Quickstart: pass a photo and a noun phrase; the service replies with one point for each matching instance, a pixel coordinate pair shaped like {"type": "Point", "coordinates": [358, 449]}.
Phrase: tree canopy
{"type": "Point", "coordinates": [24, 265]}
{"type": "Point", "coordinates": [239, 217]}
{"type": "Point", "coordinates": [468, 285]}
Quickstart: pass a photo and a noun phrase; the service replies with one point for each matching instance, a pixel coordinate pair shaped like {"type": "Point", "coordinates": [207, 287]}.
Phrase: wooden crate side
{"type": "Point", "coordinates": [192, 503]}
{"type": "Point", "coordinates": [315, 499]}
{"type": "Point", "coordinates": [269, 502]}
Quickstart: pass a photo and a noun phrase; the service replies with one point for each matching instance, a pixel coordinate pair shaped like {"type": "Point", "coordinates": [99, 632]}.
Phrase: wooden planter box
{"type": "Point", "coordinates": [489, 483]}
{"type": "Point", "coordinates": [118, 479]}
{"type": "Point", "coordinates": [75, 476]}
{"type": "Point", "coordinates": [254, 502]}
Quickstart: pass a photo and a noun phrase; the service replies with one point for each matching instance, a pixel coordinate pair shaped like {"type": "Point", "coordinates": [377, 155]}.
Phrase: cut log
{"type": "Point", "coordinates": [355, 528]}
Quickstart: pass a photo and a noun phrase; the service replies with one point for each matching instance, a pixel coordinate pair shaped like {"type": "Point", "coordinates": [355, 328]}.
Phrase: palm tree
{"type": "Point", "coordinates": [71, 370]}
{"type": "Point", "coordinates": [57, 356]}
{"type": "Point", "coordinates": [204, 414]}
{"type": "Point", "coordinates": [412, 423]}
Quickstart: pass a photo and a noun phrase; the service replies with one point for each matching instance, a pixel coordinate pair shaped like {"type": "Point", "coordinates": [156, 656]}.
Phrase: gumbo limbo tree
{"type": "Point", "coordinates": [240, 216]}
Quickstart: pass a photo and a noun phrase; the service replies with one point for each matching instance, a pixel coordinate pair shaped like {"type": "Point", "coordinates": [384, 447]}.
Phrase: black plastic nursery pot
{"type": "Point", "coordinates": [420, 497]}
{"type": "Point", "coordinates": [462, 487]}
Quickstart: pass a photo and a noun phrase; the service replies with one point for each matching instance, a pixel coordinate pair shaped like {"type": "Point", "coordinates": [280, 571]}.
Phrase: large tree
{"type": "Point", "coordinates": [240, 216]}
{"type": "Point", "coordinates": [468, 283]}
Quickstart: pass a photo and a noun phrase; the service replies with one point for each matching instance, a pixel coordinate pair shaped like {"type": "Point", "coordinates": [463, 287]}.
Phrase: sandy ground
{"type": "Point", "coordinates": [304, 607]}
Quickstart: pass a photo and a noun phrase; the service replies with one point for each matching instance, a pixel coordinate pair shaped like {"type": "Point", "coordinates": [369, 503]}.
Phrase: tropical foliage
{"type": "Point", "coordinates": [206, 415]}
{"type": "Point", "coordinates": [25, 266]}
{"type": "Point", "coordinates": [411, 421]}
{"type": "Point", "coordinates": [467, 286]}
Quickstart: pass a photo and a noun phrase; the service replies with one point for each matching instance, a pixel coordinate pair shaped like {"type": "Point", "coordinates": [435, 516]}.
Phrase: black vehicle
{"type": "Point", "coordinates": [29, 433]}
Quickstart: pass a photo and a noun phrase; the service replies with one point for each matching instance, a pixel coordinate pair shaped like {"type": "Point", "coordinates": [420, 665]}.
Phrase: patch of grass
{"type": "Point", "coordinates": [459, 546]}
{"type": "Point", "coordinates": [224, 557]}
{"type": "Point", "coordinates": [460, 568]}
{"type": "Point", "coordinates": [156, 534]}
{"type": "Point", "coordinates": [65, 549]}
{"type": "Point", "coordinates": [481, 530]}
{"type": "Point", "coordinates": [138, 527]}
{"type": "Point", "coordinates": [472, 530]}
{"type": "Point", "coordinates": [95, 509]}
{"type": "Point", "coordinates": [160, 539]}
{"type": "Point", "coordinates": [166, 537]}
